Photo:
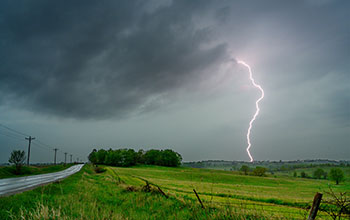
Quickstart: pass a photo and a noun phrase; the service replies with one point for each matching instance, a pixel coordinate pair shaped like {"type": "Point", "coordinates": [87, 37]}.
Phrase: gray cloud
{"type": "Point", "coordinates": [99, 60]}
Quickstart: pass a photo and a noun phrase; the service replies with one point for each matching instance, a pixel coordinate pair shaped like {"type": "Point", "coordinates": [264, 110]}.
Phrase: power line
{"type": "Point", "coordinates": [11, 133]}
{"type": "Point", "coordinates": [18, 135]}
{"type": "Point", "coordinates": [13, 130]}
{"type": "Point", "coordinates": [13, 137]}
{"type": "Point", "coordinates": [39, 144]}
{"type": "Point", "coordinates": [46, 145]}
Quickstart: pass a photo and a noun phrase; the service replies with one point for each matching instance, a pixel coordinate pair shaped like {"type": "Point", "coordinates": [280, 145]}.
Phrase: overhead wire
{"type": "Point", "coordinates": [13, 137]}
{"type": "Point", "coordinates": [13, 130]}
{"type": "Point", "coordinates": [18, 135]}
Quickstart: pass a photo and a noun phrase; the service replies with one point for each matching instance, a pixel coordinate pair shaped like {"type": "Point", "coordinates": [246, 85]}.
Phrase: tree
{"type": "Point", "coordinates": [17, 158]}
{"type": "Point", "coordinates": [152, 157]}
{"type": "Point", "coordinates": [101, 156]}
{"type": "Point", "coordinates": [92, 156]}
{"type": "Point", "coordinates": [259, 171]}
{"type": "Point", "coordinates": [295, 174]}
{"type": "Point", "coordinates": [244, 169]}
{"type": "Point", "coordinates": [319, 173]}
{"type": "Point", "coordinates": [303, 174]}
{"type": "Point", "coordinates": [337, 175]}
{"type": "Point", "coordinates": [128, 157]}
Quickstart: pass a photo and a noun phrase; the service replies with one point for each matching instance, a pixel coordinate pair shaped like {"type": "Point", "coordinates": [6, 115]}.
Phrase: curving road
{"type": "Point", "coordinates": [11, 186]}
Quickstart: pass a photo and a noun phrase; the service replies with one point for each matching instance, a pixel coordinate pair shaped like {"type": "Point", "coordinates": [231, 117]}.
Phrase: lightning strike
{"type": "Point", "coordinates": [256, 105]}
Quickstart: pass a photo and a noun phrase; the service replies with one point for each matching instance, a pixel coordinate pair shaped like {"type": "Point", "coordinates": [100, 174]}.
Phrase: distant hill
{"type": "Point", "coordinates": [271, 165]}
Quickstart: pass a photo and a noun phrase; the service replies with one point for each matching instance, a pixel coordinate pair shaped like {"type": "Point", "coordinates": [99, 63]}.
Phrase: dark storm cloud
{"type": "Point", "coordinates": [88, 59]}
{"type": "Point", "coordinates": [93, 59]}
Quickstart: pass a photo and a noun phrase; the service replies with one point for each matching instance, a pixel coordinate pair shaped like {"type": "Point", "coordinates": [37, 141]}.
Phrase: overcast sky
{"type": "Point", "coordinates": [162, 74]}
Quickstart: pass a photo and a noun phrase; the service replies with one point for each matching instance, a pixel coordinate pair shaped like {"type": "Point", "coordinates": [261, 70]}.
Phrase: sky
{"type": "Point", "coordinates": [163, 74]}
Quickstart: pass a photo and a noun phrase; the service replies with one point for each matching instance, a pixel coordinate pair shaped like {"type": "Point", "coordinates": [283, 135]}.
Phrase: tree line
{"type": "Point", "coordinates": [129, 157]}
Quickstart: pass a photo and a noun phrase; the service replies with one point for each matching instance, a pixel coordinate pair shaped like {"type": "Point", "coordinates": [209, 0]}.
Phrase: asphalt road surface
{"type": "Point", "coordinates": [11, 186]}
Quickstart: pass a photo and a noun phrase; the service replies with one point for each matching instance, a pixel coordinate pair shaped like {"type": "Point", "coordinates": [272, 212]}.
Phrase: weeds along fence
{"type": "Point", "coordinates": [273, 211]}
{"type": "Point", "coordinates": [278, 213]}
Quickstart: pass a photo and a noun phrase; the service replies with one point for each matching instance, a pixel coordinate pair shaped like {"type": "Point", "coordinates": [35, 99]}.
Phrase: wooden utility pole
{"type": "Point", "coordinates": [55, 155]}
{"type": "Point", "coordinates": [65, 158]}
{"type": "Point", "coordinates": [71, 161]}
{"type": "Point", "coordinates": [30, 138]}
{"type": "Point", "coordinates": [315, 206]}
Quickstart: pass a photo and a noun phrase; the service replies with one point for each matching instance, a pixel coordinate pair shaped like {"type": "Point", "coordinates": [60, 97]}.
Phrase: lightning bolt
{"type": "Point", "coordinates": [256, 105]}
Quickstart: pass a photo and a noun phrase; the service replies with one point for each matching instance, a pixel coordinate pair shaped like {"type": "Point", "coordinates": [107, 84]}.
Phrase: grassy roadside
{"type": "Point", "coordinates": [9, 171]}
{"type": "Point", "coordinates": [86, 195]}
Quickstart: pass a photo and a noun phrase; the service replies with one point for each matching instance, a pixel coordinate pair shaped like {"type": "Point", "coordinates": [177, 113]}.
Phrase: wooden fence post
{"type": "Point", "coordinates": [161, 191]}
{"type": "Point", "coordinates": [198, 198]}
{"type": "Point", "coordinates": [315, 206]}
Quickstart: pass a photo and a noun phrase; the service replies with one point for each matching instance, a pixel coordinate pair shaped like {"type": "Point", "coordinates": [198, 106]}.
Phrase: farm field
{"type": "Point", "coordinates": [282, 195]}
{"type": "Point", "coordinates": [119, 193]}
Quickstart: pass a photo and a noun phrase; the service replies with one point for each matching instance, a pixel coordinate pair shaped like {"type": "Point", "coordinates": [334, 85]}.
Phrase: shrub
{"type": "Point", "coordinates": [259, 171]}
{"type": "Point", "coordinates": [244, 169]}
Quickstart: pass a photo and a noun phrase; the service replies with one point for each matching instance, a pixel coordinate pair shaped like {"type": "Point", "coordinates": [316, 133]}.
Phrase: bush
{"type": "Point", "coordinates": [259, 171]}
{"type": "Point", "coordinates": [244, 169]}
{"type": "Point", "coordinates": [303, 174]}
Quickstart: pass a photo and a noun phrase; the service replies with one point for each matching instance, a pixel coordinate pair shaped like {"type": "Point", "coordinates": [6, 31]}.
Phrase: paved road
{"type": "Point", "coordinates": [18, 184]}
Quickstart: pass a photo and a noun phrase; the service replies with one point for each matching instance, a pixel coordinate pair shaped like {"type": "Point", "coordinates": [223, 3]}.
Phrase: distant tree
{"type": "Point", "coordinates": [170, 158]}
{"type": "Point", "coordinates": [17, 158]}
{"type": "Point", "coordinates": [101, 156]}
{"type": "Point", "coordinates": [140, 156]}
{"type": "Point", "coordinates": [259, 171]}
{"type": "Point", "coordinates": [128, 157]}
{"type": "Point", "coordinates": [295, 174]}
{"type": "Point", "coordinates": [244, 169]}
{"type": "Point", "coordinates": [92, 156]}
{"type": "Point", "coordinates": [303, 174]}
{"type": "Point", "coordinates": [325, 174]}
{"type": "Point", "coordinates": [319, 173]}
{"type": "Point", "coordinates": [152, 157]}
{"type": "Point", "coordinates": [337, 175]}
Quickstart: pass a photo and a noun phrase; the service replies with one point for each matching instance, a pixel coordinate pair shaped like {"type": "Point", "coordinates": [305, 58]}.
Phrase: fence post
{"type": "Point", "coordinates": [161, 191]}
{"type": "Point", "coordinates": [315, 206]}
{"type": "Point", "coordinates": [198, 198]}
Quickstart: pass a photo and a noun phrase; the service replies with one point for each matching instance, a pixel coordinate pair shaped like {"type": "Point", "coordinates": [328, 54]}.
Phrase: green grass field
{"type": "Point", "coordinates": [9, 171]}
{"type": "Point", "coordinates": [119, 193]}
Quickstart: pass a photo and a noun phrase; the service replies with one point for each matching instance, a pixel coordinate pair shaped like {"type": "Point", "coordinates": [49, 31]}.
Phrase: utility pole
{"type": "Point", "coordinates": [55, 155]}
{"type": "Point", "coordinates": [30, 138]}
{"type": "Point", "coordinates": [71, 158]}
{"type": "Point", "coordinates": [65, 158]}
